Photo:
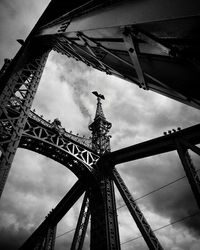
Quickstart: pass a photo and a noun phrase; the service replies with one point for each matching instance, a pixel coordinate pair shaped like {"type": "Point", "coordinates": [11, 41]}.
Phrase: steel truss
{"type": "Point", "coordinates": [17, 96]}
{"type": "Point", "coordinates": [131, 48]}
{"type": "Point", "coordinates": [102, 200]}
{"type": "Point", "coordinates": [137, 152]}
{"type": "Point", "coordinates": [37, 135]}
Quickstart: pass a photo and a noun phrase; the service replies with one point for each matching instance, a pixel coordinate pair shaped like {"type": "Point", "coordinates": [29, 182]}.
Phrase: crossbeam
{"type": "Point", "coordinates": [155, 146]}
{"type": "Point", "coordinates": [121, 13]}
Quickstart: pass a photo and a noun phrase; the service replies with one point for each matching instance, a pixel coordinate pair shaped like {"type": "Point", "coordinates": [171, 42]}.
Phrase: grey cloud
{"type": "Point", "coordinates": [175, 201]}
{"type": "Point", "coordinates": [78, 82]}
{"type": "Point", "coordinates": [11, 238]}
{"type": "Point", "coordinates": [9, 8]}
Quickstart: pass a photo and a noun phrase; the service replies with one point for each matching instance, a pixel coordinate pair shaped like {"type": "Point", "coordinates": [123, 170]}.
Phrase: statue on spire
{"type": "Point", "coordinates": [99, 110]}
{"type": "Point", "coordinates": [100, 128]}
{"type": "Point", "coordinates": [98, 95]}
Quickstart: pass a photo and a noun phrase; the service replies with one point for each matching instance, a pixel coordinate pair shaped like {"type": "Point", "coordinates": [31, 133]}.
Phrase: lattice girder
{"type": "Point", "coordinates": [84, 141]}
{"type": "Point", "coordinates": [17, 96]}
{"type": "Point", "coordinates": [39, 136]}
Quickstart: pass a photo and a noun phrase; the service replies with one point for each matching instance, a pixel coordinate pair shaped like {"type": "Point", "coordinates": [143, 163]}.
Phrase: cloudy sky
{"type": "Point", "coordinates": [36, 184]}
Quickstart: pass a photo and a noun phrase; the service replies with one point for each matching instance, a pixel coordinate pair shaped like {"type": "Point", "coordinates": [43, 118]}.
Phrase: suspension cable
{"type": "Point", "coordinates": [167, 225]}
{"type": "Point", "coordinates": [65, 233]}
{"type": "Point", "coordinates": [158, 189]}
{"type": "Point", "coordinates": [155, 190]}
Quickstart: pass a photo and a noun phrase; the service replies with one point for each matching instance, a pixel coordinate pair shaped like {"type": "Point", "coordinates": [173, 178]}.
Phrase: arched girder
{"type": "Point", "coordinates": [84, 141]}
{"type": "Point", "coordinates": [49, 142]}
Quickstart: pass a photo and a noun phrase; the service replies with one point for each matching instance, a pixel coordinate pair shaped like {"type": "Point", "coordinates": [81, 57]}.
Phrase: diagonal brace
{"type": "Point", "coordinates": [194, 148]}
{"type": "Point", "coordinates": [145, 229]}
{"type": "Point", "coordinates": [190, 170]}
{"type": "Point", "coordinates": [82, 224]}
{"type": "Point", "coordinates": [55, 215]}
{"type": "Point", "coordinates": [133, 51]}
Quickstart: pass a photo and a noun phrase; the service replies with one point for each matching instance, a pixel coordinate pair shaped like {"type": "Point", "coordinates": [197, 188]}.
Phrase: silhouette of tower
{"type": "Point", "coordinates": [100, 127]}
{"type": "Point", "coordinates": [113, 37]}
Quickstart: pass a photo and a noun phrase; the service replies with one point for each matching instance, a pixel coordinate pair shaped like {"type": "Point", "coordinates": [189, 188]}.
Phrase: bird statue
{"type": "Point", "coordinates": [98, 95]}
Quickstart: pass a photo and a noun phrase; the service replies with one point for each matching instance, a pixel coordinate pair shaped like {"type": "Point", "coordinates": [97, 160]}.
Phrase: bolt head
{"type": "Point", "coordinates": [131, 50]}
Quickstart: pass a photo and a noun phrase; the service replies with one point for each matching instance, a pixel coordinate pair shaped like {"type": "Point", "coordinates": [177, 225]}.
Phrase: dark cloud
{"type": "Point", "coordinates": [175, 201]}
{"type": "Point", "coordinates": [11, 239]}
{"type": "Point", "coordinates": [16, 21]}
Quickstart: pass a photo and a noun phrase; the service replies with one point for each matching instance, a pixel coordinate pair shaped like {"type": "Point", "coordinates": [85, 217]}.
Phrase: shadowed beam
{"type": "Point", "coordinates": [71, 17]}
{"type": "Point", "coordinates": [155, 146]}
{"type": "Point", "coordinates": [55, 215]}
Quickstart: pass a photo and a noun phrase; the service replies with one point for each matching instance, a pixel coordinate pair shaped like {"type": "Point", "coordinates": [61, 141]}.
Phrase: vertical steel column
{"type": "Point", "coordinates": [145, 229]}
{"type": "Point", "coordinates": [82, 224]}
{"type": "Point", "coordinates": [107, 187]}
{"type": "Point", "coordinates": [15, 102]}
{"type": "Point", "coordinates": [104, 224]}
{"type": "Point", "coordinates": [190, 171]}
{"type": "Point", "coordinates": [98, 236]}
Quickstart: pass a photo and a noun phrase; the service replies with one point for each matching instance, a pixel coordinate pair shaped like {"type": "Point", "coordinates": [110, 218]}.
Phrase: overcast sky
{"type": "Point", "coordinates": [36, 184]}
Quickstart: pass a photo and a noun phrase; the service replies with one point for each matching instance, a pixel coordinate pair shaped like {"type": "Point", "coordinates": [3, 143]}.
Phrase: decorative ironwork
{"type": "Point", "coordinates": [104, 225]}
{"type": "Point", "coordinates": [20, 91]}
{"type": "Point", "coordinates": [100, 128]}
{"type": "Point", "coordinates": [80, 139]}
{"type": "Point", "coordinates": [52, 137]}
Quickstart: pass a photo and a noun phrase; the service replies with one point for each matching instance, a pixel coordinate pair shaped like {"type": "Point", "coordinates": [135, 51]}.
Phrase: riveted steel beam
{"type": "Point", "coordinates": [86, 44]}
{"type": "Point", "coordinates": [120, 13]}
{"type": "Point", "coordinates": [20, 91]}
{"type": "Point", "coordinates": [82, 223]}
{"type": "Point", "coordinates": [133, 51]}
{"type": "Point", "coordinates": [145, 229]}
{"type": "Point", "coordinates": [107, 68]}
{"type": "Point", "coordinates": [49, 241]}
{"type": "Point", "coordinates": [104, 223]}
{"type": "Point", "coordinates": [155, 146]}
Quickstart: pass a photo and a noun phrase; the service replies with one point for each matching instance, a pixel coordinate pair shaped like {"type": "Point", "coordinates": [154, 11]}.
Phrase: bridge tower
{"type": "Point", "coordinates": [113, 37]}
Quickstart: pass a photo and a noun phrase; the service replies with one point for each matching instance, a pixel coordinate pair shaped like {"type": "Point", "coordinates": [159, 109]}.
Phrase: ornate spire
{"type": "Point", "coordinates": [100, 128]}
{"type": "Point", "coordinates": [99, 110]}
